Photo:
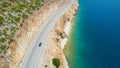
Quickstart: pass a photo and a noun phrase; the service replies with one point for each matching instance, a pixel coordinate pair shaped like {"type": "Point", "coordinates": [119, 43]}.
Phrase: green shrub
{"type": "Point", "coordinates": [56, 62]}
{"type": "Point", "coordinates": [46, 66]}
{"type": "Point", "coordinates": [1, 19]}
{"type": "Point", "coordinates": [2, 40]}
{"type": "Point", "coordinates": [25, 16]}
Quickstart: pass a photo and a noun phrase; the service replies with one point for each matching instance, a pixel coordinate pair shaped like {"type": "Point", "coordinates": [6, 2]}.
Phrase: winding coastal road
{"type": "Point", "coordinates": [36, 52]}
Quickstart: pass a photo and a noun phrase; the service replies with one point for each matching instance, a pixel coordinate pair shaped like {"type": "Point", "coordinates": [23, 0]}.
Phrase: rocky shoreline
{"type": "Point", "coordinates": [58, 38]}
{"type": "Point", "coordinates": [67, 31]}
{"type": "Point", "coordinates": [18, 48]}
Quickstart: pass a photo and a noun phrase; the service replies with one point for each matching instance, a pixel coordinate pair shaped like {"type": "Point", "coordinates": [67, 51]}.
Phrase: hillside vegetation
{"type": "Point", "coordinates": [12, 15]}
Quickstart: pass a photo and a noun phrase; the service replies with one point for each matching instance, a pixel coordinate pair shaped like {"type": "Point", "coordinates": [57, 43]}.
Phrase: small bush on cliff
{"type": "Point", "coordinates": [46, 66]}
{"type": "Point", "coordinates": [56, 62]}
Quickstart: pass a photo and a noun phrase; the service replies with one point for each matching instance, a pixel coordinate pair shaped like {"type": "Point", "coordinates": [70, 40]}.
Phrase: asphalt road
{"type": "Point", "coordinates": [36, 53]}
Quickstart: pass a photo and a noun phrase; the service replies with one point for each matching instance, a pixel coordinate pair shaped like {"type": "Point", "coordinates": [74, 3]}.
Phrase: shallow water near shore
{"type": "Point", "coordinates": [95, 37]}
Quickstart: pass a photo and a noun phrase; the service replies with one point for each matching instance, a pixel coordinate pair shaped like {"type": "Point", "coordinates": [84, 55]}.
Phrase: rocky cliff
{"type": "Point", "coordinates": [18, 48]}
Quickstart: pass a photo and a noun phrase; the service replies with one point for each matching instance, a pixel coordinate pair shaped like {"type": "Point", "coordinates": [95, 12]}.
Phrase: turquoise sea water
{"type": "Point", "coordinates": [95, 37]}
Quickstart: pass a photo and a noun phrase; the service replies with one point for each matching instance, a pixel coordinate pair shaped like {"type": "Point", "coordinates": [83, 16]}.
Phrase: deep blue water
{"type": "Point", "coordinates": [97, 35]}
